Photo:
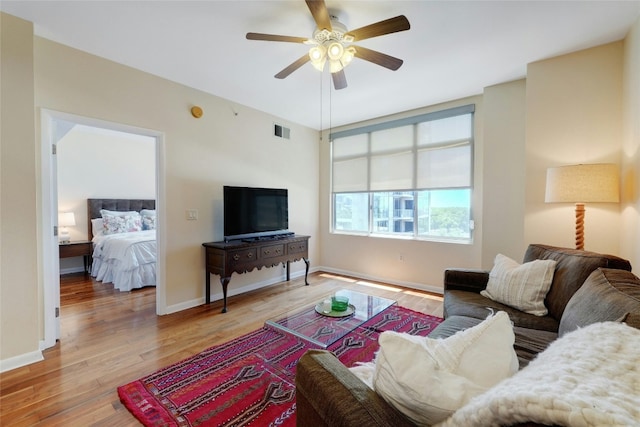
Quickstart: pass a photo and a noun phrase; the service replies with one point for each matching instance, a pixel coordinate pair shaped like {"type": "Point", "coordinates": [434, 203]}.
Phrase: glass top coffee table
{"type": "Point", "coordinates": [321, 327]}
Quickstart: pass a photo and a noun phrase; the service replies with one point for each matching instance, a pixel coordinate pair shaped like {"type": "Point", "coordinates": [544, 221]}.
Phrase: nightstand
{"type": "Point", "coordinates": [81, 248]}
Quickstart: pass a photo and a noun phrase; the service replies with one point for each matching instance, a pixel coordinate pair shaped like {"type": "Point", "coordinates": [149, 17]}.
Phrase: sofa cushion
{"type": "Point", "coordinates": [607, 295]}
{"type": "Point", "coordinates": [632, 319]}
{"type": "Point", "coordinates": [528, 342]}
{"type": "Point", "coordinates": [328, 394]}
{"type": "Point", "coordinates": [471, 304]}
{"type": "Point", "coordinates": [522, 286]}
{"type": "Point", "coordinates": [572, 269]}
{"type": "Point", "coordinates": [428, 379]}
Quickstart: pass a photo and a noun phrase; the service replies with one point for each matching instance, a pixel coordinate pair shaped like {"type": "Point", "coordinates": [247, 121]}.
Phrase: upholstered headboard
{"type": "Point", "coordinates": [95, 205]}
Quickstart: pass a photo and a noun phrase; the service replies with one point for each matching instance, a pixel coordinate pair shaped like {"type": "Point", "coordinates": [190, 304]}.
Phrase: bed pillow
{"type": "Point", "coordinates": [114, 224]}
{"type": "Point", "coordinates": [97, 227]}
{"type": "Point", "coordinates": [148, 219]}
{"type": "Point", "coordinates": [428, 379]}
{"type": "Point", "coordinates": [104, 212]}
{"type": "Point", "coordinates": [522, 286]}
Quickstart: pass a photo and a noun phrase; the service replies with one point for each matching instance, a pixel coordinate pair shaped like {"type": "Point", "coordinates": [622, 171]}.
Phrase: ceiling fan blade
{"type": "Point", "coordinates": [388, 26]}
{"type": "Point", "coordinates": [339, 80]}
{"type": "Point", "coordinates": [275, 38]}
{"type": "Point", "coordinates": [291, 68]}
{"type": "Point", "coordinates": [320, 14]}
{"type": "Point", "coordinates": [378, 58]}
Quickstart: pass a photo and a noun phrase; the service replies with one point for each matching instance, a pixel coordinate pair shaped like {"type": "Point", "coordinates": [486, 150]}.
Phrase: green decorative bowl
{"type": "Point", "coordinates": [339, 303]}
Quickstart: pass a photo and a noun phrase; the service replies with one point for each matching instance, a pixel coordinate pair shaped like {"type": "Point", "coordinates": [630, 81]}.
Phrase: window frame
{"type": "Point", "coordinates": [412, 121]}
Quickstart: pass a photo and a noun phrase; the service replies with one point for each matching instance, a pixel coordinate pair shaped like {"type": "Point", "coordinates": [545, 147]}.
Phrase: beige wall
{"type": "Point", "coordinates": [378, 258]}
{"type": "Point", "coordinates": [230, 144]}
{"type": "Point", "coordinates": [504, 171]}
{"type": "Point", "coordinates": [19, 279]}
{"type": "Point", "coordinates": [200, 155]}
{"type": "Point", "coordinates": [570, 109]}
{"type": "Point", "coordinates": [574, 115]}
{"type": "Point", "coordinates": [630, 206]}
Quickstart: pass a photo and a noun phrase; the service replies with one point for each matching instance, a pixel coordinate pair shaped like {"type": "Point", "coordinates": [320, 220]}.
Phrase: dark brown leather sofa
{"type": "Point", "coordinates": [587, 287]}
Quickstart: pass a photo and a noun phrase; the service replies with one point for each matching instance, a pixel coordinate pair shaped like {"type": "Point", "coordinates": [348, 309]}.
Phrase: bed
{"type": "Point", "coordinates": [124, 242]}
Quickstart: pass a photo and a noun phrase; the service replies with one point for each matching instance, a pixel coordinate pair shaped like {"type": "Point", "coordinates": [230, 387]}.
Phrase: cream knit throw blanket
{"type": "Point", "coordinates": [589, 377]}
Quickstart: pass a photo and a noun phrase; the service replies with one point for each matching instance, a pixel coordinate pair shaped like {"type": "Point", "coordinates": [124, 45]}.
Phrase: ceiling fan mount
{"type": "Point", "coordinates": [332, 43]}
{"type": "Point", "coordinates": [338, 32]}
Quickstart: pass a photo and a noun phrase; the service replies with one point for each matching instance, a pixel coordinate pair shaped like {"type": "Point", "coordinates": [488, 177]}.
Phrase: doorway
{"type": "Point", "coordinates": [54, 126]}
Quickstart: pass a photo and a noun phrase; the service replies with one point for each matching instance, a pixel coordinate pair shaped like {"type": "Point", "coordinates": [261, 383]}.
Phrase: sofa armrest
{"type": "Point", "coordinates": [329, 394]}
{"type": "Point", "coordinates": [460, 279]}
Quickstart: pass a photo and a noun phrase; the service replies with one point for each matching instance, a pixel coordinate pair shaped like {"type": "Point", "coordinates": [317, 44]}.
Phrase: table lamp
{"type": "Point", "coordinates": [580, 184]}
{"type": "Point", "coordinates": [65, 219]}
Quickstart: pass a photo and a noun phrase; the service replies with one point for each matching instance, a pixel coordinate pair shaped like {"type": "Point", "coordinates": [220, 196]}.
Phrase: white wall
{"type": "Point", "coordinates": [101, 163]}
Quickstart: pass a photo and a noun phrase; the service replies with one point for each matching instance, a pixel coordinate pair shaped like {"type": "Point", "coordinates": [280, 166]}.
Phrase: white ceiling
{"type": "Point", "coordinates": [453, 49]}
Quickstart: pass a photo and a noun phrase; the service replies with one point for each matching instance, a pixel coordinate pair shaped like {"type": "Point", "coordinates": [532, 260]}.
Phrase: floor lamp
{"type": "Point", "coordinates": [580, 184]}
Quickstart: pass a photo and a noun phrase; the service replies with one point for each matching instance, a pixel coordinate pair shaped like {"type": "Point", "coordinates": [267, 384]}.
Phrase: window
{"type": "Point", "coordinates": [409, 178]}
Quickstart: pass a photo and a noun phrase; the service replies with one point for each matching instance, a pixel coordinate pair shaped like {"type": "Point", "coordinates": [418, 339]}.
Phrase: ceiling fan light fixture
{"type": "Point", "coordinates": [335, 66]}
{"type": "Point", "coordinates": [318, 57]}
{"type": "Point", "coordinates": [335, 51]}
{"type": "Point", "coordinates": [316, 53]}
{"type": "Point", "coordinates": [348, 55]}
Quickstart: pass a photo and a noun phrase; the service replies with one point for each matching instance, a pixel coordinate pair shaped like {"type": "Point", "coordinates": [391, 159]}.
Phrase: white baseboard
{"type": "Point", "coordinates": [71, 270]}
{"type": "Point", "coordinates": [21, 360]}
{"type": "Point", "coordinates": [412, 285]}
{"type": "Point", "coordinates": [253, 286]}
{"type": "Point", "coordinates": [231, 292]}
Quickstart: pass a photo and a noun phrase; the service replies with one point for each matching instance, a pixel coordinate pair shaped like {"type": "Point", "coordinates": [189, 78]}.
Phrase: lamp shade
{"type": "Point", "coordinates": [599, 183]}
{"type": "Point", "coordinates": [66, 219]}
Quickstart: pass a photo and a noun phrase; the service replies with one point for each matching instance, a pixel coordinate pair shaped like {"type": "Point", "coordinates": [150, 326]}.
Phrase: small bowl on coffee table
{"type": "Point", "coordinates": [339, 303]}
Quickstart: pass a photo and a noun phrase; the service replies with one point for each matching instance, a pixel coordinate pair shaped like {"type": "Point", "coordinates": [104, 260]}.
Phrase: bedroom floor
{"type": "Point", "coordinates": [110, 338]}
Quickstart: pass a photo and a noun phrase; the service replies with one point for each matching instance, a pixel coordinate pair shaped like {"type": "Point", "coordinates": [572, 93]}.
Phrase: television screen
{"type": "Point", "coordinates": [251, 213]}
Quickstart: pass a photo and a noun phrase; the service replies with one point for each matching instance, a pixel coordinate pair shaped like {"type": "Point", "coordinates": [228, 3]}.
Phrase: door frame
{"type": "Point", "coordinates": [49, 213]}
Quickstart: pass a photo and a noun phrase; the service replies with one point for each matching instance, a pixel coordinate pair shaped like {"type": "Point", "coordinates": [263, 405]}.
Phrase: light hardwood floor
{"type": "Point", "coordinates": [110, 338]}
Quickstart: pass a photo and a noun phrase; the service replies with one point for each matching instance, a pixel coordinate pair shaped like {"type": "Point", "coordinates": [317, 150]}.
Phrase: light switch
{"type": "Point", "coordinates": [192, 214]}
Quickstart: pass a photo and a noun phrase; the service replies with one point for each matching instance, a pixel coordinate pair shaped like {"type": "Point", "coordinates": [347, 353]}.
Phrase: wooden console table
{"type": "Point", "coordinates": [225, 258]}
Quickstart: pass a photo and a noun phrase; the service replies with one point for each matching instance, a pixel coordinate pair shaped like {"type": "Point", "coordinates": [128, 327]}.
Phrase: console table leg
{"type": "Point", "coordinates": [306, 271]}
{"type": "Point", "coordinates": [224, 281]}
{"type": "Point", "coordinates": [288, 276]}
{"type": "Point", "coordinates": [207, 289]}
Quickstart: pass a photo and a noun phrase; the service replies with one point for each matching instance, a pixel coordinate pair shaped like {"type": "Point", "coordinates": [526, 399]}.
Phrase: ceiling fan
{"type": "Point", "coordinates": [331, 42]}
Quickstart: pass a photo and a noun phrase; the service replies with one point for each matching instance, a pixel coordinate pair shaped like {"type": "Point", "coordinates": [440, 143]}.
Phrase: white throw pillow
{"type": "Point", "coordinates": [97, 227]}
{"type": "Point", "coordinates": [428, 379]}
{"type": "Point", "coordinates": [522, 286]}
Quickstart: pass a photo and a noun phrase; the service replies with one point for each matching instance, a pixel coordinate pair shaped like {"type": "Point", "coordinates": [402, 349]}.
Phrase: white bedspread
{"type": "Point", "coordinates": [128, 260]}
{"type": "Point", "coordinates": [589, 377]}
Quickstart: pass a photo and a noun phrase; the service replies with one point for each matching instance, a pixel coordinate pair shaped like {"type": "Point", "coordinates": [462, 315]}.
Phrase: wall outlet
{"type": "Point", "coordinates": [192, 214]}
{"type": "Point", "coordinates": [401, 257]}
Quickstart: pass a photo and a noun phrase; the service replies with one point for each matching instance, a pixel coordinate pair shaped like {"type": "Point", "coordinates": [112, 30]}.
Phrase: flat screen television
{"type": "Point", "coordinates": [255, 213]}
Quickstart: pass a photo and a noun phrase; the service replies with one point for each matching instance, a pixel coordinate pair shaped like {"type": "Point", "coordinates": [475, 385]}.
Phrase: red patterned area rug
{"type": "Point", "coordinates": [250, 381]}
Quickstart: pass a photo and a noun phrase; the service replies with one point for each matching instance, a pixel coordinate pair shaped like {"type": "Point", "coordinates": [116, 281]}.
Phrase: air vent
{"type": "Point", "coordinates": [280, 131]}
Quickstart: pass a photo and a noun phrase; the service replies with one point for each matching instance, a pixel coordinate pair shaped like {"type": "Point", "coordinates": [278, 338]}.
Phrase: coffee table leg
{"type": "Point", "coordinates": [224, 281]}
